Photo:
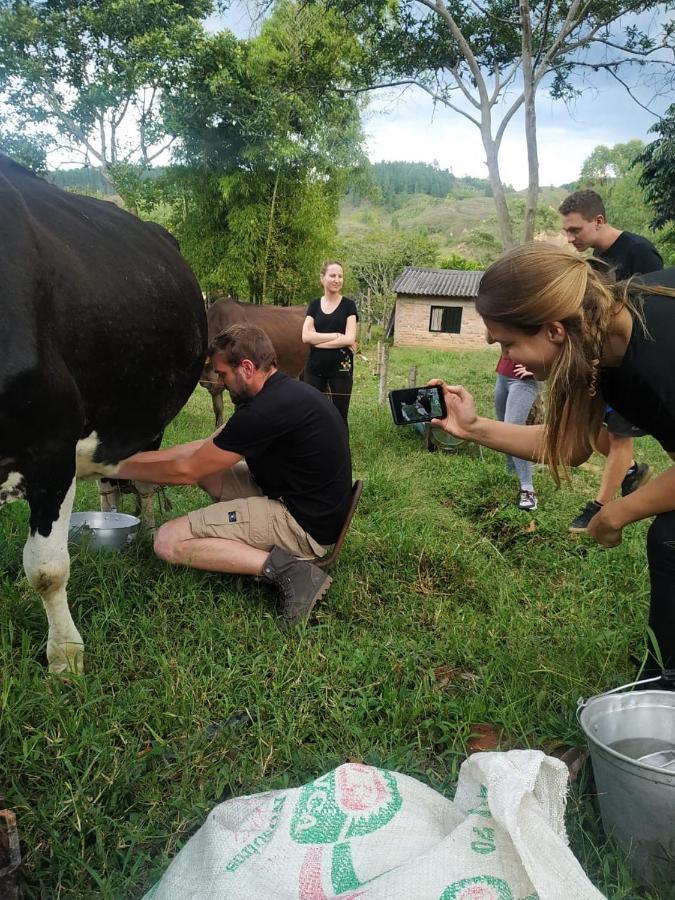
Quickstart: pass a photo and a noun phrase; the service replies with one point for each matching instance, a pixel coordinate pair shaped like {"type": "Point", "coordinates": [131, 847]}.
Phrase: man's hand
{"type": "Point", "coordinates": [461, 410]}
{"type": "Point", "coordinates": [606, 525]}
{"type": "Point", "coordinates": [520, 371]}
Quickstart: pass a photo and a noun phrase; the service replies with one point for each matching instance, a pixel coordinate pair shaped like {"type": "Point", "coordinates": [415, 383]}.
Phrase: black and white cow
{"type": "Point", "coordinates": [102, 339]}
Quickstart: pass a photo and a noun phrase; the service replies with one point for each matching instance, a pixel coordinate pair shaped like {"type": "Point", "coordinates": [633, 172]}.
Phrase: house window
{"type": "Point", "coordinates": [446, 318]}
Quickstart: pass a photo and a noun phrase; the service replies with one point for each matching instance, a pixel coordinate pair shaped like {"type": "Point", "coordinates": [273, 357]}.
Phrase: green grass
{"type": "Point", "coordinates": [193, 694]}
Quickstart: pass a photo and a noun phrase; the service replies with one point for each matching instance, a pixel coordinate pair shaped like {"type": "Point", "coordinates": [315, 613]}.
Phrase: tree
{"type": "Point", "coordinates": [613, 173]}
{"type": "Point", "coordinates": [375, 261]}
{"type": "Point", "coordinates": [658, 171]}
{"type": "Point", "coordinates": [458, 262]}
{"type": "Point", "coordinates": [469, 55]}
{"type": "Point", "coordinates": [95, 72]}
{"type": "Point", "coordinates": [28, 149]}
{"type": "Point", "coordinates": [265, 139]}
{"type": "Point", "coordinates": [606, 163]}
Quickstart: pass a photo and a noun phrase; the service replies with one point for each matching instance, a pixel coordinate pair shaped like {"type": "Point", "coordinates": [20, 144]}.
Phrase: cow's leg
{"type": "Point", "coordinates": [217, 401]}
{"type": "Point", "coordinates": [110, 495]}
{"type": "Point", "coordinates": [47, 565]}
{"type": "Point", "coordinates": [145, 495]}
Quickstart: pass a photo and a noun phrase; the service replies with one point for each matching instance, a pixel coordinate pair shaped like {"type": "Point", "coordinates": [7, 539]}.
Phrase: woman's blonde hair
{"type": "Point", "coordinates": [538, 283]}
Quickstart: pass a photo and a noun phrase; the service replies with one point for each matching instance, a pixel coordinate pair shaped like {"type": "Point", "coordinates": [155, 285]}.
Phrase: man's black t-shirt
{"type": "Point", "coordinates": [338, 361]}
{"type": "Point", "coordinates": [297, 450]}
{"type": "Point", "coordinates": [631, 254]}
{"type": "Point", "coordinates": [642, 388]}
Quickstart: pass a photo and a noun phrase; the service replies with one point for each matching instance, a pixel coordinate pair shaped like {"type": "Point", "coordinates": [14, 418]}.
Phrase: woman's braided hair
{"type": "Point", "coordinates": [538, 283]}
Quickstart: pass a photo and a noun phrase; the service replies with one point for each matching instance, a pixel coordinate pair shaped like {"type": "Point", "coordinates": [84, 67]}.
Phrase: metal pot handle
{"type": "Point", "coordinates": [581, 702]}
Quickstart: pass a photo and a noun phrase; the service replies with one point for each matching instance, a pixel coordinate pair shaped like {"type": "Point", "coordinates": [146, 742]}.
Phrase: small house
{"type": "Point", "coordinates": [435, 308]}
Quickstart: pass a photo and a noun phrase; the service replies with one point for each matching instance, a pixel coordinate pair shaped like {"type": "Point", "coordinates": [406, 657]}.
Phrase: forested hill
{"type": "Point", "coordinates": [421, 178]}
{"type": "Point", "coordinates": [454, 214]}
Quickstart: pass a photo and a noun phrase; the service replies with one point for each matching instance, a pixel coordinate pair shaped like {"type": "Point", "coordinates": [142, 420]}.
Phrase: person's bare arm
{"type": "Point", "coordinates": [522, 441]}
{"type": "Point", "coordinates": [658, 496]}
{"type": "Point", "coordinates": [176, 465]}
{"type": "Point", "coordinates": [332, 340]}
{"type": "Point", "coordinates": [311, 336]}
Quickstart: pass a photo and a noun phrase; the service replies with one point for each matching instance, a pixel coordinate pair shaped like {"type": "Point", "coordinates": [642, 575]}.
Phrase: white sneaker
{"type": "Point", "coordinates": [527, 500]}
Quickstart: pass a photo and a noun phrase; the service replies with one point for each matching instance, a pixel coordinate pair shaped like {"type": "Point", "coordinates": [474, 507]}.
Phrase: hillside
{"type": "Point", "coordinates": [465, 225]}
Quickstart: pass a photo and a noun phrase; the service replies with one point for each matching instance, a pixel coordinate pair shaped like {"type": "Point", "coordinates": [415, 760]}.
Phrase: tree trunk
{"type": "Point", "coordinates": [492, 160]}
{"type": "Point", "coordinates": [530, 123]}
{"type": "Point", "coordinates": [268, 242]}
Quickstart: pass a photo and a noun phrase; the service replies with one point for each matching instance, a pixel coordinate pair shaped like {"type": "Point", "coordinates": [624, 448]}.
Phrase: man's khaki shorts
{"type": "Point", "coordinates": [245, 514]}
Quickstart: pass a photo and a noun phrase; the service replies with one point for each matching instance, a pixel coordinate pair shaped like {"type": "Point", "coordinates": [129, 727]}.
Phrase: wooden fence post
{"type": "Point", "coordinates": [384, 366]}
{"type": "Point", "coordinates": [412, 376]}
{"type": "Point", "coordinates": [378, 358]}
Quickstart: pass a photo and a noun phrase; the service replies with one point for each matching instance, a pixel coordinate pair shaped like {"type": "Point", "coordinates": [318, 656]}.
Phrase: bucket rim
{"type": "Point", "coordinates": [581, 702]}
{"type": "Point", "coordinates": [586, 704]}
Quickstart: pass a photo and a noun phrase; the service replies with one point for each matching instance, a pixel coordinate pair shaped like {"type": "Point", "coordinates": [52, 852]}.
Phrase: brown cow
{"type": "Point", "coordinates": [283, 325]}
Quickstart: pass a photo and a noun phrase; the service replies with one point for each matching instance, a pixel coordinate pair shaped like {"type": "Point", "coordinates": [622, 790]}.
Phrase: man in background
{"type": "Point", "coordinates": [585, 226]}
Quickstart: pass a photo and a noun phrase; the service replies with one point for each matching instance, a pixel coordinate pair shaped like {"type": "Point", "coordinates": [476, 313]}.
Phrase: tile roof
{"type": "Point", "coordinates": [437, 282]}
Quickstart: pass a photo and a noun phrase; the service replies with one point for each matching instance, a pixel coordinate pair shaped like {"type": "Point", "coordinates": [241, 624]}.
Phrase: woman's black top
{"type": "Point", "coordinates": [642, 388]}
{"type": "Point", "coordinates": [332, 361]}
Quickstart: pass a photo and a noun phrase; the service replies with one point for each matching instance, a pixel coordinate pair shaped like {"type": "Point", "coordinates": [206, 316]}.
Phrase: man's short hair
{"type": "Point", "coordinates": [244, 341]}
{"type": "Point", "coordinates": [587, 203]}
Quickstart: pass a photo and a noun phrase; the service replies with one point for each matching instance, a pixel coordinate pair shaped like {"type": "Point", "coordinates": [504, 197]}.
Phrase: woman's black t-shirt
{"type": "Point", "coordinates": [331, 362]}
{"type": "Point", "coordinates": [642, 388]}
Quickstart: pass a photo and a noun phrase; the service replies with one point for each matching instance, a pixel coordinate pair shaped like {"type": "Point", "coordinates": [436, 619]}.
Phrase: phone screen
{"type": "Point", "coordinates": [416, 404]}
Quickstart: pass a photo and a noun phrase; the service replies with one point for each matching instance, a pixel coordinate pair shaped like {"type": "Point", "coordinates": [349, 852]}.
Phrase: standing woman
{"type": "Point", "coordinates": [515, 391]}
{"type": "Point", "coordinates": [330, 330]}
{"type": "Point", "coordinates": [596, 343]}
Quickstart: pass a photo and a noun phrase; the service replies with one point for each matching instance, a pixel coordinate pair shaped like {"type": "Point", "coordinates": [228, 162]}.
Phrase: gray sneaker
{"type": "Point", "coordinates": [301, 584]}
{"type": "Point", "coordinates": [527, 500]}
{"type": "Point", "coordinates": [635, 479]}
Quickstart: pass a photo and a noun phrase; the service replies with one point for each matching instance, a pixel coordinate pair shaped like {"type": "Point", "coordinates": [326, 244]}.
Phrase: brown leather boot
{"type": "Point", "coordinates": [300, 582]}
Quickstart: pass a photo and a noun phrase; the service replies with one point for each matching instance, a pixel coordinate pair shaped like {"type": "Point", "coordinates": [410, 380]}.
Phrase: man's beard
{"type": "Point", "coordinates": [240, 394]}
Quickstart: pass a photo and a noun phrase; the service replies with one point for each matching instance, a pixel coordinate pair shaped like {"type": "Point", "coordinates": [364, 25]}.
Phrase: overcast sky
{"type": "Point", "coordinates": [406, 126]}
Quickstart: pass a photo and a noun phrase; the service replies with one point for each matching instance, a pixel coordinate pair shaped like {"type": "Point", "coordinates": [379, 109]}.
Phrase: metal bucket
{"type": "Point", "coordinates": [108, 531]}
{"type": "Point", "coordinates": [632, 742]}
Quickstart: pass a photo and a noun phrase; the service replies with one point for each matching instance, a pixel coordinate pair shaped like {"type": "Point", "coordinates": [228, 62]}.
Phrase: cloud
{"type": "Point", "coordinates": [409, 128]}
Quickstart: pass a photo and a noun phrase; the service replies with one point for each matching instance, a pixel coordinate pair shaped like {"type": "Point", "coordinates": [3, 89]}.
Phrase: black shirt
{"type": "Point", "coordinates": [338, 361]}
{"type": "Point", "coordinates": [642, 388]}
{"type": "Point", "coordinates": [296, 447]}
{"type": "Point", "coordinates": [631, 254]}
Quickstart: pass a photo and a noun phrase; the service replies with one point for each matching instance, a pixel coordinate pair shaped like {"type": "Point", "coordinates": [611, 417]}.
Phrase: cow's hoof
{"type": "Point", "coordinates": [66, 659]}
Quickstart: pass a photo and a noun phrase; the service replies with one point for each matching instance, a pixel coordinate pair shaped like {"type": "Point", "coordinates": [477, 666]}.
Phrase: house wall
{"type": "Point", "coordinates": [411, 326]}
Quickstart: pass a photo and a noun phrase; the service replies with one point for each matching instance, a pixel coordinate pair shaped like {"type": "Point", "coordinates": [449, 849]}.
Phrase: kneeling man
{"type": "Point", "coordinates": [279, 472]}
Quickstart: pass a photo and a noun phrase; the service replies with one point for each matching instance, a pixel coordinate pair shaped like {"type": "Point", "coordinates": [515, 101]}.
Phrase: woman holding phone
{"type": "Point", "coordinates": [330, 330]}
{"type": "Point", "coordinates": [596, 343]}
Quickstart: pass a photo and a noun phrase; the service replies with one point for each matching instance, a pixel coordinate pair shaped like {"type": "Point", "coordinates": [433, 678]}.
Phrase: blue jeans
{"type": "Point", "coordinates": [513, 401]}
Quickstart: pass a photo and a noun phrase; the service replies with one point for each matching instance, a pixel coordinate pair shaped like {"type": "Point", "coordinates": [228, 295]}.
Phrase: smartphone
{"type": "Point", "coordinates": [417, 404]}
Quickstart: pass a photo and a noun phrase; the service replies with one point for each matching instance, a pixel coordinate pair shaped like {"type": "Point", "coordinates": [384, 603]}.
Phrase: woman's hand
{"type": "Point", "coordinates": [520, 371]}
{"type": "Point", "coordinates": [606, 525]}
{"type": "Point", "coordinates": [461, 410]}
